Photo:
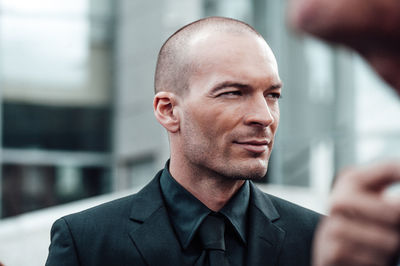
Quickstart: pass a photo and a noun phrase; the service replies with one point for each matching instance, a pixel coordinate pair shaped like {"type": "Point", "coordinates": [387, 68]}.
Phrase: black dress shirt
{"type": "Point", "coordinates": [186, 213]}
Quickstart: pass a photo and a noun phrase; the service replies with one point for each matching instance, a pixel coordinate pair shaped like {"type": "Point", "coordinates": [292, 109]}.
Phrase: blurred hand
{"type": "Point", "coordinates": [363, 227]}
{"type": "Point", "coordinates": [371, 27]}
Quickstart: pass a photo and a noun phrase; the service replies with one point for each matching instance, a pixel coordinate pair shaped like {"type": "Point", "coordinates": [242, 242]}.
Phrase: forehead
{"type": "Point", "coordinates": [239, 56]}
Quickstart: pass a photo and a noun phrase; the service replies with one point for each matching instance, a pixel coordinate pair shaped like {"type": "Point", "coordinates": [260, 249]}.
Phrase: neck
{"type": "Point", "coordinates": [213, 190]}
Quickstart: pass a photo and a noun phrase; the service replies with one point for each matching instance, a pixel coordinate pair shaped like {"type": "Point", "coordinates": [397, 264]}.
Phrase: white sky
{"type": "Point", "coordinates": [44, 41]}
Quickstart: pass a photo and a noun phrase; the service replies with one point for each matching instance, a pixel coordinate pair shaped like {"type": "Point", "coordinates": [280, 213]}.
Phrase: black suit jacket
{"type": "Point", "coordinates": [136, 230]}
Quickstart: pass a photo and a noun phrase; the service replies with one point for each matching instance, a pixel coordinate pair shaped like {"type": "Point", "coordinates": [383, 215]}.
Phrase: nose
{"type": "Point", "coordinates": [259, 112]}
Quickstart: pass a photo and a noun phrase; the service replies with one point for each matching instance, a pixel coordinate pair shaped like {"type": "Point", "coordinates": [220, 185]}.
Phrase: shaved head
{"type": "Point", "coordinates": [217, 90]}
{"type": "Point", "coordinates": [175, 65]}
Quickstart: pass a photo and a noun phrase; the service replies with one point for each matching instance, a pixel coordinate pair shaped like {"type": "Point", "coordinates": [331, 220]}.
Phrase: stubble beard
{"type": "Point", "coordinates": [204, 159]}
{"type": "Point", "coordinates": [243, 171]}
{"type": "Point", "coordinates": [205, 162]}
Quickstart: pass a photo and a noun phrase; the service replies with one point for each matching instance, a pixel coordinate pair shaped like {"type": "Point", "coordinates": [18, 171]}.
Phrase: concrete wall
{"type": "Point", "coordinates": [141, 28]}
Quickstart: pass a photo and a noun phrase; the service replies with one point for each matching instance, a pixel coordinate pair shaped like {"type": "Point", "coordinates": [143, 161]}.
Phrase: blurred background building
{"type": "Point", "coordinates": [76, 88]}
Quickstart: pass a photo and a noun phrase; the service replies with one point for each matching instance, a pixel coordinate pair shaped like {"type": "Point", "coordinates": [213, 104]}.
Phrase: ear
{"type": "Point", "coordinates": [165, 110]}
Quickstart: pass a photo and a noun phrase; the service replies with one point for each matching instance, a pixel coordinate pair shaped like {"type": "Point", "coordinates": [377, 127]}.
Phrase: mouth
{"type": "Point", "coordinates": [255, 145]}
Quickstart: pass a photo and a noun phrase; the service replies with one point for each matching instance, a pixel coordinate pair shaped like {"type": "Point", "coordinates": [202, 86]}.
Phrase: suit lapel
{"type": "Point", "coordinates": [151, 231]}
{"type": "Point", "coordinates": [264, 237]}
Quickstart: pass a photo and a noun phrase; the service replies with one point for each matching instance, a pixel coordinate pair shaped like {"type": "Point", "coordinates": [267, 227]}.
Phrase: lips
{"type": "Point", "coordinates": [254, 145]}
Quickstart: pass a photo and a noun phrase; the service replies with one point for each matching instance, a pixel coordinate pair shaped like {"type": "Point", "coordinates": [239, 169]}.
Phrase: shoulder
{"type": "Point", "coordinates": [285, 214]}
{"type": "Point", "coordinates": [100, 235]}
{"type": "Point", "coordinates": [122, 207]}
{"type": "Point", "coordinates": [280, 209]}
{"type": "Point", "coordinates": [93, 226]}
{"type": "Point", "coordinates": [297, 223]}
{"type": "Point", "coordinates": [113, 208]}
{"type": "Point", "coordinates": [294, 214]}
{"type": "Point", "coordinates": [102, 218]}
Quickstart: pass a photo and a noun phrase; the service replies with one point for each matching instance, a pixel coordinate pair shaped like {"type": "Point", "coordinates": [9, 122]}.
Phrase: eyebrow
{"type": "Point", "coordinates": [226, 84]}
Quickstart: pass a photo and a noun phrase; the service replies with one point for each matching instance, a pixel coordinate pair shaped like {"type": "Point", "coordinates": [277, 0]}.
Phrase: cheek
{"type": "Point", "coordinates": [203, 122]}
{"type": "Point", "coordinates": [211, 117]}
{"type": "Point", "coordinates": [213, 122]}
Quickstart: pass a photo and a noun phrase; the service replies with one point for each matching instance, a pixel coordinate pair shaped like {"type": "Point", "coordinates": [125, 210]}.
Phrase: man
{"type": "Point", "coordinates": [364, 224]}
{"type": "Point", "coordinates": [217, 89]}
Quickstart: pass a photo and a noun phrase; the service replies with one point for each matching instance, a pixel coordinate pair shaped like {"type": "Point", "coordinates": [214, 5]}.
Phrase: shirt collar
{"type": "Point", "coordinates": [187, 212]}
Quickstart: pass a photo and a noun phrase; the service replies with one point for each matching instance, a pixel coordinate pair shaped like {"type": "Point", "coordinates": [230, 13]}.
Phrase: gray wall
{"type": "Point", "coordinates": [140, 143]}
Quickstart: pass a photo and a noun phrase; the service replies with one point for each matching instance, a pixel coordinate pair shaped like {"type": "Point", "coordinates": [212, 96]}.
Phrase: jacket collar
{"type": "Point", "coordinates": [151, 229]}
{"type": "Point", "coordinates": [265, 238]}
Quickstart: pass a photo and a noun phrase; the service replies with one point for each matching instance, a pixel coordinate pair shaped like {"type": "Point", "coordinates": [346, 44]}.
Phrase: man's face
{"type": "Point", "coordinates": [230, 113]}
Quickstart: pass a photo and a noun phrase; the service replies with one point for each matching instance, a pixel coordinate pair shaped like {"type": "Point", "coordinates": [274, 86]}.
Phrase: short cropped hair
{"type": "Point", "coordinates": [174, 65]}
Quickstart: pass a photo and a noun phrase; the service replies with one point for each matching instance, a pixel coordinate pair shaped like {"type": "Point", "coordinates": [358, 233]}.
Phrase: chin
{"type": "Point", "coordinates": [249, 170]}
{"type": "Point", "coordinates": [257, 170]}
{"type": "Point", "coordinates": [255, 175]}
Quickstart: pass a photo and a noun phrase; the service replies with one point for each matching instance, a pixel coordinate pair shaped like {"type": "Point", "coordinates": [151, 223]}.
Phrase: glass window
{"type": "Point", "coordinates": [55, 77]}
{"type": "Point", "coordinates": [30, 187]}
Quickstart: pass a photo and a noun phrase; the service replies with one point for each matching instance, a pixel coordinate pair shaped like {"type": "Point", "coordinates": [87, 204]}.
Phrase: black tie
{"type": "Point", "coordinates": [211, 233]}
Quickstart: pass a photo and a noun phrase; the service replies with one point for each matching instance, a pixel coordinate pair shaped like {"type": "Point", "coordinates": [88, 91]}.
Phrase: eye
{"type": "Point", "coordinates": [274, 95]}
{"type": "Point", "coordinates": [231, 93]}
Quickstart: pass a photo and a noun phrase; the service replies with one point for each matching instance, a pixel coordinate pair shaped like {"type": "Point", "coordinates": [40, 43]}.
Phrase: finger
{"type": "Point", "coordinates": [307, 15]}
{"type": "Point", "coordinates": [346, 20]}
{"type": "Point", "coordinates": [385, 63]}
{"type": "Point", "coordinates": [376, 241]}
{"type": "Point", "coordinates": [375, 177]}
{"type": "Point", "coordinates": [362, 207]}
{"type": "Point", "coordinates": [353, 244]}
